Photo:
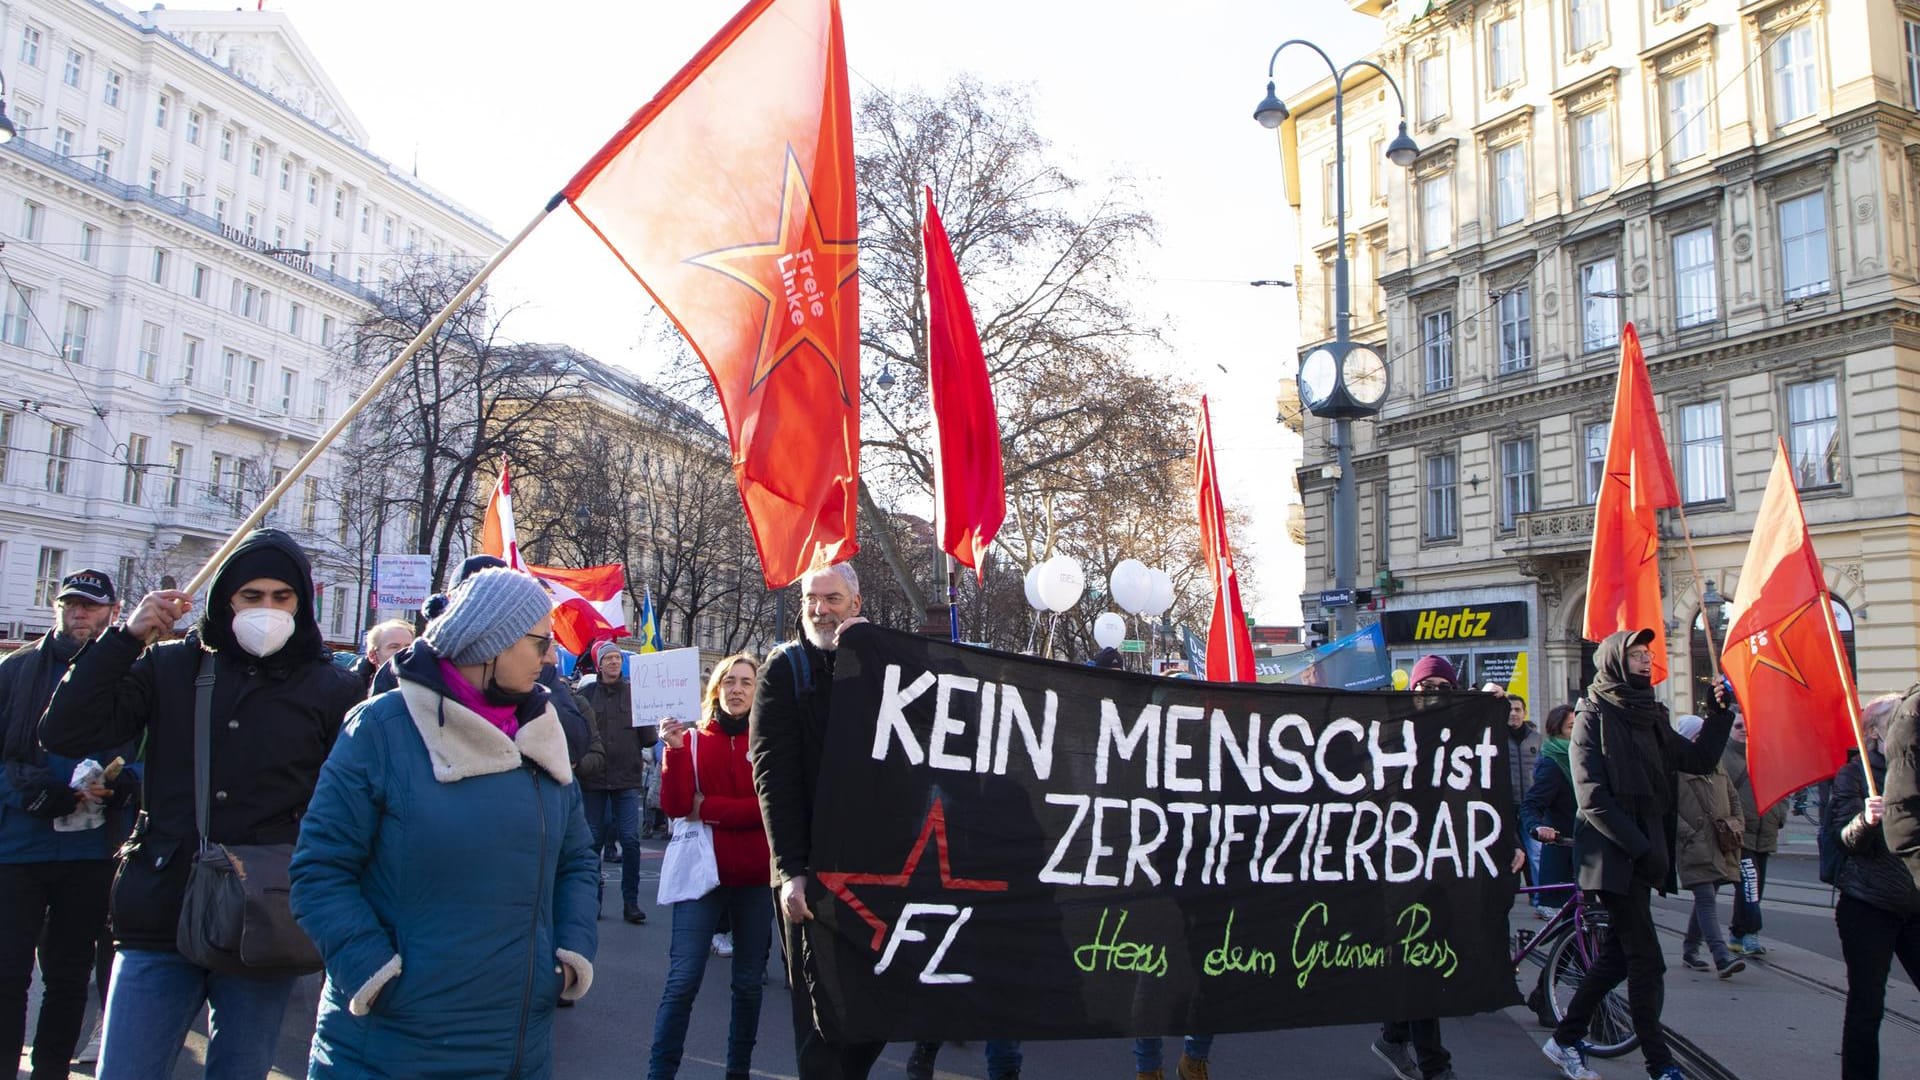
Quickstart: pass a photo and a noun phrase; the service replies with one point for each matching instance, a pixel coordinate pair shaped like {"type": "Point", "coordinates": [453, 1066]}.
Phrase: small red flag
{"type": "Point", "coordinates": [1229, 641]}
{"type": "Point", "coordinates": [730, 197]}
{"type": "Point", "coordinates": [497, 535]}
{"type": "Point", "coordinates": [1623, 568]}
{"type": "Point", "coordinates": [1783, 654]}
{"type": "Point", "coordinates": [971, 487]}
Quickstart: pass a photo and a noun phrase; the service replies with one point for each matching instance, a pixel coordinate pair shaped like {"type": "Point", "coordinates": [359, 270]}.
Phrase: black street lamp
{"type": "Point", "coordinates": [1342, 380]}
{"type": "Point", "coordinates": [7, 130]}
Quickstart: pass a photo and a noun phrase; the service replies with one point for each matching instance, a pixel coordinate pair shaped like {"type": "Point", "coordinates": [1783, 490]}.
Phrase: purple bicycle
{"type": "Point", "coordinates": [1563, 951]}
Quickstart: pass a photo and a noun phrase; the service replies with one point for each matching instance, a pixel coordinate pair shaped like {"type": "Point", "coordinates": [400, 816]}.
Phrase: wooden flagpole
{"type": "Point", "coordinates": [1853, 698]}
{"type": "Point", "coordinates": [1686, 535]}
{"type": "Point", "coordinates": [385, 376]}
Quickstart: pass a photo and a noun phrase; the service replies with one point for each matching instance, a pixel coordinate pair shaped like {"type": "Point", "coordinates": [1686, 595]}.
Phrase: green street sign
{"type": "Point", "coordinates": [1133, 645]}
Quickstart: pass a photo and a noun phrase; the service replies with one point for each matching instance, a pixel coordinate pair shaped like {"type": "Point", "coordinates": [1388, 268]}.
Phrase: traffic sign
{"type": "Point", "coordinates": [1133, 645]}
{"type": "Point", "coordinates": [1336, 598]}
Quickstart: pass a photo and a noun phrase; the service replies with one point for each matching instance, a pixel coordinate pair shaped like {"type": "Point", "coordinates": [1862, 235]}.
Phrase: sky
{"type": "Point", "coordinates": [500, 103]}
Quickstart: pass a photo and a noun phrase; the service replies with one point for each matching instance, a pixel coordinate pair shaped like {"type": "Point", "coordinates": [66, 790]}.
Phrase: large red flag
{"type": "Point", "coordinates": [1229, 642]}
{"type": "Point", "coordinates": [1783, 654]}
{"type": "Point", "coordinates": [1623, 568]}
{"type": "Point", "coordinates": [730, 197]}
{"type": "Point", "coordinates": [971, 488]}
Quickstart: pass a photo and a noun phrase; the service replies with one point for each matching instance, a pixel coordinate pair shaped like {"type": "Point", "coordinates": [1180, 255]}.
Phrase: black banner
{"type": "Point", "coordinates": [1504, 621]}
{"type": "Point", "coordinates": [1017, 848]}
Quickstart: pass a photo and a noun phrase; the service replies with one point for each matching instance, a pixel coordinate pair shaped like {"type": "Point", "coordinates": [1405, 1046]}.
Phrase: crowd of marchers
{"type": "Point", "coordinates": [451, 805]}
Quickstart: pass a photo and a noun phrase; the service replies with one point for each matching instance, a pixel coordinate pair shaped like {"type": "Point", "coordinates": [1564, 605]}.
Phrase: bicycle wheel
{"type": "Point", "coordinates": [1610, 1033]}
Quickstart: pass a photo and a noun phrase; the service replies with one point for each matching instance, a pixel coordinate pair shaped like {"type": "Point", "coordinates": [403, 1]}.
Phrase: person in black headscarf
{"type": "Point", "coordinates": [1626, 762]}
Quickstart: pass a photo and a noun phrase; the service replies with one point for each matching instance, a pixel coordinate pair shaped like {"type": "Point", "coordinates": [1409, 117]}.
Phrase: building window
{"type": "Point", "coordinates": [366, 221]}
{"type": "Point", "coordinates": [30, 46]}
{"type": "Point", "coordinates": [103, 161]}
{"type": "Point", "coordinates": [1696, 289]}
{"type": "Point", "coordinates": [157, 272]}
{"type": "Point", "coordinates": [1436, 213]}
{"type": "Point", "coordinates": [1794, 74]}
{"type": "Point", "coordinates": [286, 174]}
{"type": "Point", "coordinates": [1518, 481]}
{"type": "Point", "coordinates": [110, 90]}
{"type": "Point", "coordinates": [309, 503]}
{"type": "Point", "coordinates": [19, 314]}
{"type": "Point", "coordinates": [161, 105]}
{"type": "Point", "coordinates": [386, 230]}
{"type": "Point", "coordinates": [133, 489]}
{"type": "Point", "coordinates": [1436, 337]}
{"type": "Point", "coordinates": [73, 339]}
{"type": "Point", "coordinates": [1911, 31]}
{"type": "Point", "coordinates": [1599, 306]}
{"type": "Point", "coordinates": [59, 457]}
{"type": "Point", "coordinates": [1587, 23]}
{"type": "Point", "coordinates": [1509, 185]}
{"type": "Point", "coordinates": [1516, 329]}
{"type": "Point", "coordinates": [1443, 497]}
{"type": "Point", "coordinates": [63, 141]}
{"type": "Point", "coordinates": [1687, 115]}
{"type": "Point", "coordinates": [147, 360]}
{"type": "Point", "coordinates": [229, 371]}
{"type": "Point", "coordinates": [1594, 440]}
{"type": "Point", "coordinates": [289, 388]}
{"type": "Point", "coordinates": [226, 144]}
{"type": "Point", "coordinates": [1803, 245]}
{"type": "Point", "coordinates": [256, 159]}
{"type": "Point", "coordinates": [219, 210]}
{"type": "Point", "coordinates": [326, 331]}
{"type": "Point", "coordinates": [339, 202]}
{"type": "Point", "coordinates": [71, 73]}
{"type": "Point", "coordinates": [340, 607]}
{"type": "Point", "coordinates": [193, 127]}
{"type": "Point", "coordinates": [46, 579]}
{"type": "Point", "coordinates": [216, 476]}
{"type": "Point", "coordinates": [1813, 432]}
{"type": "Point", "coordinates": [1503, 52]}
{"type": "Point", "coordinates": [320, 392]}
{"type": "Point", "coordinates": [30, 214]}
{"type": "Point", "coordinates": [295, 313]}
{"type": "Point", "coordinates": [198, 286]}
{"type": "Point", "coordinates": [6, 443]}
{"type": "Point", "coordinates": [176, 470]}
{"type": "Point", "coordinates": [1703, 459]}
{"type": "Point", "coordinates": [250, 380]}
{"type": "Point", "coordinates": [1433, 87]}
{"type": "Point", "coordinates": [1593, 152]}
{"type": "Point", "coordinates": [89, 243]}
{"type": "Point", "coordinates": [189, 359]}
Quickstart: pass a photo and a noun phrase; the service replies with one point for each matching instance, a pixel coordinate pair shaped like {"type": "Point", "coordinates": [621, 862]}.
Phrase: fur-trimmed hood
{"type": "Point", "coordinates": [461, 743]}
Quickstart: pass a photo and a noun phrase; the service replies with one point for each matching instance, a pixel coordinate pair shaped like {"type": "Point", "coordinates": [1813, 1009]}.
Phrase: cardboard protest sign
{"type": "Point", "coordinates": [665, 684]}
{"type": "Point", "coordinates": [1020, 848]}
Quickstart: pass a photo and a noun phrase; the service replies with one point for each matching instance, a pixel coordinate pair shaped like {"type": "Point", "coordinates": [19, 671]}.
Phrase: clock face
{"type": "Point", "coordinates": [1365, 375]}
{"type": "Point", "coordinates": [1317, 377]}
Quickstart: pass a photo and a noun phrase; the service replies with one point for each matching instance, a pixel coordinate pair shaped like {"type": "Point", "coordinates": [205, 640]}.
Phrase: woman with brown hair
{"type": "Point", "coordinates": [706, 777]}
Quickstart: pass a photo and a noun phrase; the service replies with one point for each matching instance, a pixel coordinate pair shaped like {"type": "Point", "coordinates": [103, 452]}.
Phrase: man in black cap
{"type": "Point", "coordinates": [56, 864]}
{"type": "Point", "coordinates": [277, 704]}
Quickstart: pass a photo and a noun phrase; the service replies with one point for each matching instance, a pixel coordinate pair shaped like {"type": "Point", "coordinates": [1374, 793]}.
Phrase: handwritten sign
{"type": "Point", "coordinates": [1019, 848]}
{"type": "Point", "coordinates": [402, 581]}
{"type": "Point", "coordinates": [665, 684]}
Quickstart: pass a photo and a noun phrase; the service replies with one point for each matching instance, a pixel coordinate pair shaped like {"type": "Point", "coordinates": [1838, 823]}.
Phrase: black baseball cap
{"type": "Point", "coordinates": [87, 585]}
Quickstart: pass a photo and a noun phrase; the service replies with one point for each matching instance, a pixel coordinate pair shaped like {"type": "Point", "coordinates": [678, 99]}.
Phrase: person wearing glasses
{"type": "Point", "coordinates": [444, 869]}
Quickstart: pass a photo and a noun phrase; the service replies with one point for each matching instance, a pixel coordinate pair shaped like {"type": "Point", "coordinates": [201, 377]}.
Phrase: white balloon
{"type": "Point", "coordinates": [1131, 585]}
{"type": "Point", "coordinates": [1061, 582]}
{"type": "Point", "coordinates": [1109, 630]}
{"type": "Point", "coordinates": [1033, 589]}
{"type": "Point", "coordinates": [1162, 597]}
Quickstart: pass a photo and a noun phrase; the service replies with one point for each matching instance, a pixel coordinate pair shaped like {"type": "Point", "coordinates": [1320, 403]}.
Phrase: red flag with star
{"type": "Point", "coordinates": [1623, 568]}
{"type": "Point", "coordinates": [1229, 641]}
{"type": "Point", "coordinates": [730, 198]}
{"type": "Point", "coordinates": [1782, 653]}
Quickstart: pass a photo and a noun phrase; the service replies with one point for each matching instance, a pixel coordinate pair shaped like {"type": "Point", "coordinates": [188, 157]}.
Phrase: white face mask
{"type": "Point", "coordinates": [261, 631]}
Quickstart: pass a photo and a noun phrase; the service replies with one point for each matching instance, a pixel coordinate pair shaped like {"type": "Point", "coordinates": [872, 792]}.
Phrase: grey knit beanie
{"type": "Point", "coordinates": [486, 614]}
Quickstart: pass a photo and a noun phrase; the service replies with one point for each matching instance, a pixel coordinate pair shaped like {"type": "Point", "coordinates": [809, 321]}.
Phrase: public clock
{"type": "Point", "coordinates": [1319, 379]}
{"type": "Point", "coordinates": [1363, 374]}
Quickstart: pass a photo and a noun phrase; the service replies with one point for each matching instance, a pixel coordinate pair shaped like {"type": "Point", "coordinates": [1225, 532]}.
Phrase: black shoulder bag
{"type": "Point", "coordinates": [236, 917]}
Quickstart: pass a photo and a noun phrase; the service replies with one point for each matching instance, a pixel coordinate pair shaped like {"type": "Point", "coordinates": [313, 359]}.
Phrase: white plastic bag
{"type": "Point", "coordinates": [689, 871]}
{"type": "Point", "coordinates": [88, 814]}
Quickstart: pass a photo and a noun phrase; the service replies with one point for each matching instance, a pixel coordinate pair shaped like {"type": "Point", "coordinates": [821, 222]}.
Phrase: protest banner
{"type": "Point", "coordinates": [1020, 848]}
{"type": "Point", "coordinates": [402, 581]}
{"type": "Point", "coordinates": [665, 684]}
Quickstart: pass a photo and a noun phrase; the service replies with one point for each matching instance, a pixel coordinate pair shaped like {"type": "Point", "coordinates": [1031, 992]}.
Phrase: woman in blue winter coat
{"type": "Point", "coordinates": [444, 868]}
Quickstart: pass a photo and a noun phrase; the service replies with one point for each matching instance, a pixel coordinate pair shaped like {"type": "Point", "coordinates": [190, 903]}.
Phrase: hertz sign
{"type": "Point", "coordinates": [1505, 621]}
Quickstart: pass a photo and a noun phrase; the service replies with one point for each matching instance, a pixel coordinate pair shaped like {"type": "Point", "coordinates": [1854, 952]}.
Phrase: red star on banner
{"type": "Point", "coordinates": [1769, 646]}
{"type": "Point", "coordinates": [934, 829]}
{"type": "Point", "coordinates": [799, 273]}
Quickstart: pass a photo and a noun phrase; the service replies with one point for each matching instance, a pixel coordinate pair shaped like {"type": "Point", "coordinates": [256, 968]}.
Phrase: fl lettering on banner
{"type": "Point", "coordinates": [1018, 848]}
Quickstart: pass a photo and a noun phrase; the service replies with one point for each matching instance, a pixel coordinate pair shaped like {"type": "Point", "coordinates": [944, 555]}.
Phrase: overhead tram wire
{"type": "Point", "coordinates": [59, 353]}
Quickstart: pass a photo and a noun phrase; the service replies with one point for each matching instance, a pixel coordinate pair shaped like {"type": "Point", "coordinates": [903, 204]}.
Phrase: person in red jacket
{"type": "Point", "coordinates": [706, 777]}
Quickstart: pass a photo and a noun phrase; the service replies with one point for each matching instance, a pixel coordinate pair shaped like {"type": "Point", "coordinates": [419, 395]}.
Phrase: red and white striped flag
{"type": "Point", "coordinates": [586, 602]}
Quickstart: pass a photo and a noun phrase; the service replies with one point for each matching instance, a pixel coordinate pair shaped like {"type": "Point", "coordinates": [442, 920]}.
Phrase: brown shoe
{"type": "Point", "coordinates": [1155, 1074]}
{"type": "Point", "coordinates": [1189, 1069]}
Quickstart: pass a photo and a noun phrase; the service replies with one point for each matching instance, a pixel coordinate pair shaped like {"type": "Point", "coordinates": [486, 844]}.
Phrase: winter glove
{"type": "Point", "coordinates": [123, 791]}
{"type": "Point", "coordinates": [41, 794]}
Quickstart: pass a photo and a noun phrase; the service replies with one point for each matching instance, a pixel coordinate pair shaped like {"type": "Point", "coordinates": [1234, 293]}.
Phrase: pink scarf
{"type": "Point", "coordinates": [501, 716]}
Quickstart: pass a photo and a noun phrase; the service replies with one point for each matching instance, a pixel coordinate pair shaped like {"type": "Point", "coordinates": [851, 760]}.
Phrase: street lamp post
{"type": "Point", "coordinates": [1342, 380]}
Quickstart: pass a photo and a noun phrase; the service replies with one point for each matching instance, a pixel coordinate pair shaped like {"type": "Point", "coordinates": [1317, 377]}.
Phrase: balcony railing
{"type": "Point", "coordinates": [1553, 530]}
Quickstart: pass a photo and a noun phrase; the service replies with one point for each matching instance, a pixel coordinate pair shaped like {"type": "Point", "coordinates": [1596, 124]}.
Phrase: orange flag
{"type": "Point", "coordinates": [730, 197]}
{"type": "Point", "coordinates": [1229, 641]}
{"type": "Point", "coordinates": [1783, 652]}
{"type": "Point", "coordinates": [1623, 568]}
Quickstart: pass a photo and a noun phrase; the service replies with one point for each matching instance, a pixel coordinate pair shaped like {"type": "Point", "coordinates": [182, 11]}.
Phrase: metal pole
{"type": "Point", "coordinates": [1346, 509]}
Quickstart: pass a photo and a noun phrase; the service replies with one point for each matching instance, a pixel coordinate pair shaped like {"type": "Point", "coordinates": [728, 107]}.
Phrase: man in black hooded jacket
{"type": "Point", "coordinates": [277, 704]}
{"type": "Point", "coordinates": [1626, 761]}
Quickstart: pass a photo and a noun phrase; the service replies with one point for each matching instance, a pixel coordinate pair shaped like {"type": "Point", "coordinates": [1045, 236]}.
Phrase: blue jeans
{"type": "Point", "coordinates": [623, 806]}
{"type": "Point", "coordinates": [1146, 1052]}
{"type": "Point", "coordinates": [751, 908]}
{"type": "Point", "coordinates": [152, 1000]}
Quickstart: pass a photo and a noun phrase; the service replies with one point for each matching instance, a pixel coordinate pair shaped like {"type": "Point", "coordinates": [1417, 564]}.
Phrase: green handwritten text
{"type": "Point", "coordinates": [1416, 951]}
{"type": "Point", "coordinates": [1110, 953]}
{"type": "Point", "coordinates": [1312, 952]}
{"type": "Point", "coordinates": [1230, 957]}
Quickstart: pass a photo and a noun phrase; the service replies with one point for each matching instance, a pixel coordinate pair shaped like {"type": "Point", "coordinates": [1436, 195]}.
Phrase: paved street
{"type": "Point", "coordinates": [1780, 1018]}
